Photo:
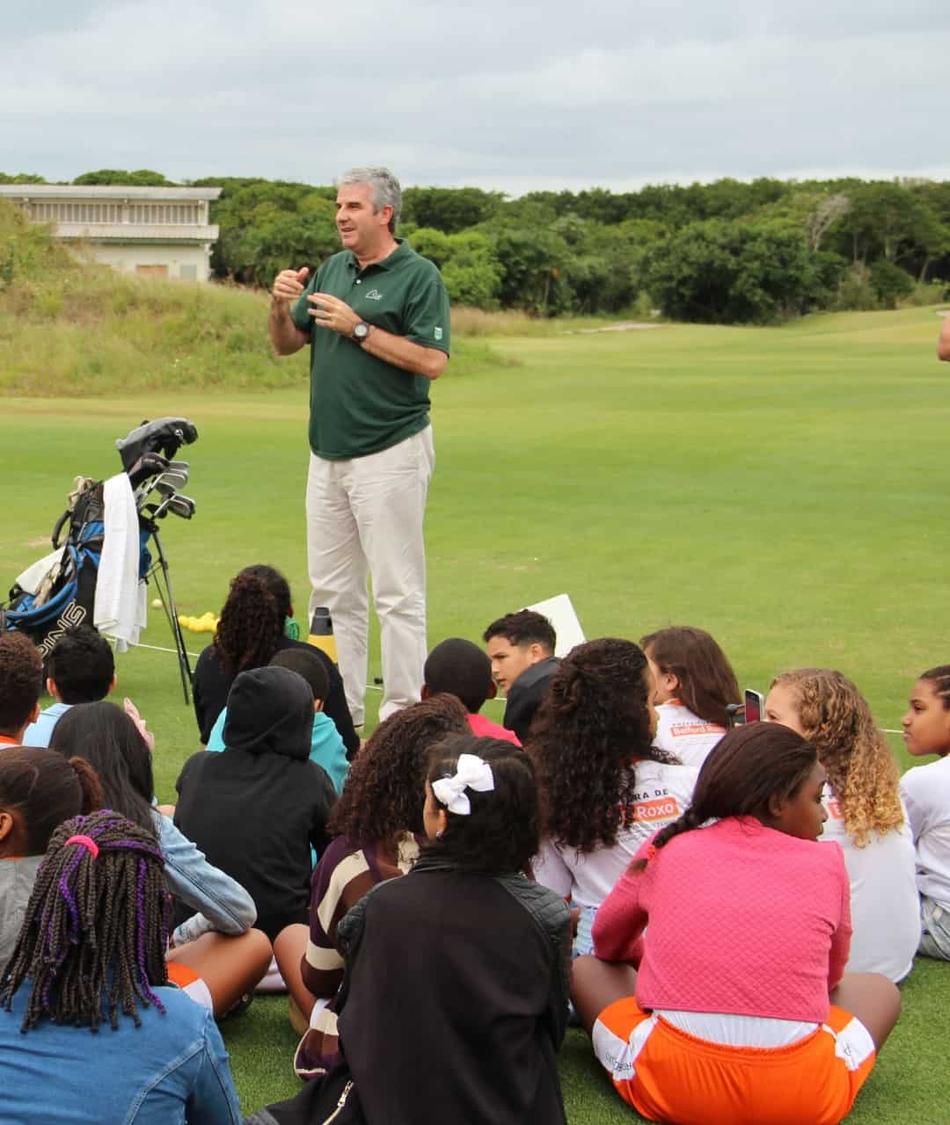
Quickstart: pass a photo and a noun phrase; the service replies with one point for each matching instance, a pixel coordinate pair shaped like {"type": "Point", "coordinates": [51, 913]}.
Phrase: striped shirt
{"type": "Point", "coordinates": [344, 874]}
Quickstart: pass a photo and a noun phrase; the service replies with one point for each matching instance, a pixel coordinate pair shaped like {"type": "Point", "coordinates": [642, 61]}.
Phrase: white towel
{"type": "Point", "coordinates": [119, 609]}
{"type": "Point", "coordinates": [31, 579]}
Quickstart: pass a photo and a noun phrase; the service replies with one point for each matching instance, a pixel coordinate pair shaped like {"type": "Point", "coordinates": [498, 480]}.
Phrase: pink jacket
{"type": "Point", "coordinates": [743, 920]}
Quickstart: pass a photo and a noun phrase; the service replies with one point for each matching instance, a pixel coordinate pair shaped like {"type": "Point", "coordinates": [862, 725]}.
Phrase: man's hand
{"type": "Point", "coordinates": [330, 312]}
{"type": "Point", "coordinates": [289, 284]}
{"type": "Point", "coordinates": [284, 334]}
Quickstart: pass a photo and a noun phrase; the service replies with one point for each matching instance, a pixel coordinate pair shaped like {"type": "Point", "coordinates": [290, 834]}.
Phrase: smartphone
{"type": "Point", "coordinates": [754, 705]}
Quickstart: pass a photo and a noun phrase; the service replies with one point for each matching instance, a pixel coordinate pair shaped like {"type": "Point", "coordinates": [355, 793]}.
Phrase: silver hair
{"type": "Point", "coordinates": [386, 189]}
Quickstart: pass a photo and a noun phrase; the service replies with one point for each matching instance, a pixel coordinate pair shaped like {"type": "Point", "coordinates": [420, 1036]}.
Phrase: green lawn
{"type": "Point", "coordinates": [784, 488]}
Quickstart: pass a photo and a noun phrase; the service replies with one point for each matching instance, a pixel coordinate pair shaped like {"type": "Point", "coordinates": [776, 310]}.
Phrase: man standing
{"type": "Point", "coordinates": [377, 318]}
{"type": "Point", "coordinates": [521, 649]}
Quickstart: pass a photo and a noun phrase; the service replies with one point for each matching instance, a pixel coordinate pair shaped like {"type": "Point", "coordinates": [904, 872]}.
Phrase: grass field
{"type": "Point", "coordinates": [784, 488]}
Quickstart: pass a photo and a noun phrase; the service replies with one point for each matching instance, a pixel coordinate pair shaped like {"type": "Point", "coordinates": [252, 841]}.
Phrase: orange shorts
{"type": "Point", "coordinates": [668, 1075]}
{"type": "Point", "coordinates": [190, 983]}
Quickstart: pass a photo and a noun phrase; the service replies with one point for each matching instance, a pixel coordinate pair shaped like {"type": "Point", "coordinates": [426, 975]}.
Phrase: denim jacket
{"type": "Point", "coordinates": [221, 903]}
{"type": "Point", "coordinates": [173, 1070]}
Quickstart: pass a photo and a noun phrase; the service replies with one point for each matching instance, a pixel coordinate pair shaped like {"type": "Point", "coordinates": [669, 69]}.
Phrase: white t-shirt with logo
{"type": "Point", "coordinates": [926, 793]}
{"type": "Point", "coordinates": [680, 732]}
{"type": "Point", "coordinates": [885, 907]}
{"type": "Point", "coordinates": [663, 793]}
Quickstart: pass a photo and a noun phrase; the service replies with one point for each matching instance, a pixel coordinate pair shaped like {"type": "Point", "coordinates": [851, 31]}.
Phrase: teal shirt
{"type": "Point", "coordinates": [326, 746]}
{"type": "Point", "coordinates": [360, 404]}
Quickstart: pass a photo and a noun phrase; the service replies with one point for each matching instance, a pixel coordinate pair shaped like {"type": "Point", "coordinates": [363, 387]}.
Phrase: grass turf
{"type": "Point", "coordinates": [783, 488]}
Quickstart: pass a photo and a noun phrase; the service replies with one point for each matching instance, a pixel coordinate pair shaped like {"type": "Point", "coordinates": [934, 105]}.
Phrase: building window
{"type": "Point", "coordinates": [88, 213]}
{"type": "Point", "coordinates": [163, 214]}
{"type": "Point", "coordinates": [152, 271]}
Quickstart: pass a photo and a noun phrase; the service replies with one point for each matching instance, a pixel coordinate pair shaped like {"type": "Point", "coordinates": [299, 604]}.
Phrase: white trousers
{"type": "Point", "coordinates": [364, 519]}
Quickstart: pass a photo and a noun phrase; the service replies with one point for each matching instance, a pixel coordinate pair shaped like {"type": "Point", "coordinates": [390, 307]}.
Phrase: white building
{"type": "Point", "coordinates": [156, 231]}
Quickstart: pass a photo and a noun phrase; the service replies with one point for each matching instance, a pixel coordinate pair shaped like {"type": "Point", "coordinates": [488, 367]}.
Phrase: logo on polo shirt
{"type": "Point", "coordinates": [658, 808]}
{"type": "Point", "coordinates": [374, 295]}
{"type": "Point", "coordinates": [437, 333]}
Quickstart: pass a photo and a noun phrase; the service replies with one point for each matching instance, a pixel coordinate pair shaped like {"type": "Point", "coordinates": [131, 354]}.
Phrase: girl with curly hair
{"type": "Point", "coordinates": [92, 951]}
{"type": "Point", "coordinates": [740, 1012]}
{"type": "Point", "coordinates": [479, 1002]}
{"type": "Point", "coordinates": [377, 822]}
{"type": "Point", "coordinates": [865, 815]}
{"type": "Point", "coordinates": [926, 792]}
{"type": "Point", "coordinates": [604, 786]}
{"type": "Point", "coordinates": [250, 632]}
{"type": "Point", "coordinates": [695, 686]}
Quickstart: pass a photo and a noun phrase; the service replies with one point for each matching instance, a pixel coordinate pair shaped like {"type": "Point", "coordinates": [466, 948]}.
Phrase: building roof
{"type": "Point", "coordinates": [99, 191]}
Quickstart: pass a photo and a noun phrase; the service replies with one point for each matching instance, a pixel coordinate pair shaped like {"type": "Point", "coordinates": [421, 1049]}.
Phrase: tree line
{"type": "Point", "coordinates": [724, 252]}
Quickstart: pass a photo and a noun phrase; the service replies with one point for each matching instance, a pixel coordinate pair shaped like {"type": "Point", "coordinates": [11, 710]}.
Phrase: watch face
{"type": "Point", "coordinates": [361, 331]}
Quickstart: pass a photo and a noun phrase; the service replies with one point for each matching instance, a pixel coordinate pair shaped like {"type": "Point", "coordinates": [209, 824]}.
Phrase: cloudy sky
{"type": "Point", "coordinates": [504, 94]}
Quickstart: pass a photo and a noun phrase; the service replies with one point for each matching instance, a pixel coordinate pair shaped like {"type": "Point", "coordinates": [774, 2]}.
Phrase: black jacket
{"type": "Point", "coordinates": [526, 695]}
{"type": "Point", "coordinates": [455, 998]}
{"type": "Point", "coordinates": [256, 808]}
{"type": "Point", "coordinates": [212, 684]}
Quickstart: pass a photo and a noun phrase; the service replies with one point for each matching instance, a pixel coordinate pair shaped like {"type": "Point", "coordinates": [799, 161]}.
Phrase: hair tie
{"type": "Point", "coordinates": [471, 772]}
{"type": "Point", "coordinates": [650, 852]}
{"type": "Point", "coordinates": [87, 842]}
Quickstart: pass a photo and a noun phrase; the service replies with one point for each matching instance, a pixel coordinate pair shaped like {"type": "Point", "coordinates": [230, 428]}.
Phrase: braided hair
{"type": "Point", "coordinates": [940, 678]}
{"type": "Point", "coordinates": [594, 723]}
{"type": "Point", "coordinates": [94, 935]}
{"type": "Point", "coordinates": [749, 766]}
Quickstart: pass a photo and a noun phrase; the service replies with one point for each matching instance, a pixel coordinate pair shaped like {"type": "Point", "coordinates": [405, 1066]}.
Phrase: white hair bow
{"type": "Point", "coordinates": [471, 772]}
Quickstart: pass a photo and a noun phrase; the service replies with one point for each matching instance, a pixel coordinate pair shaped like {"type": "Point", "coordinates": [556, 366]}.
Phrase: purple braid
{"type": "Point", "coordinates": [145, 988]}
{"type": "Point", "coordinates": [95, 928]}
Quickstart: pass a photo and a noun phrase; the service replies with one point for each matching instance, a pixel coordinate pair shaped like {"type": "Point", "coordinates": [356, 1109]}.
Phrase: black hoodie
{"type": "Point", "coordinates": [256, 808]}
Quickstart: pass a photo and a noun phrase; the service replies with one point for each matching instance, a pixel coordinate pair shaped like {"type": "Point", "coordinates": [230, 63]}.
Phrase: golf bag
{"type": "Point", "coordinates": [58, 592]}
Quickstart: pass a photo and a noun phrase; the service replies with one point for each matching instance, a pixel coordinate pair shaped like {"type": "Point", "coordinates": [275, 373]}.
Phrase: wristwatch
{"type": "Point", "coordinates": [359, 333]}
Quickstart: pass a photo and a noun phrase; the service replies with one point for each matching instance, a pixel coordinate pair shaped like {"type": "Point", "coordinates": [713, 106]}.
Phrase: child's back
{"type": "Point", "coordinates": [684, 734]}
{"type": "Point", "coordinates": [458, 667]}
{"type": "Point", "coordinates": [479, 1001]}
{"type": "Point", "coordinates": [326, 746]}
{"type": "Point", "coordinates": [476, 1003]}
{"type": "Point", "coordinates": [146, 1074]}
{"type": "Point", "coordinates": [256, 809]}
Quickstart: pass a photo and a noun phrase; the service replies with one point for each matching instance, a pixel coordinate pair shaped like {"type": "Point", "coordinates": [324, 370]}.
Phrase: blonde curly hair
{"type": "Point", "coordinates": [837, 721]}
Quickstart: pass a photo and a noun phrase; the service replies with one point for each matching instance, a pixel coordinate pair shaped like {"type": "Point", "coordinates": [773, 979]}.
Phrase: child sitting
{"type": "Point", "coordinates": [695, 685]}
{"type": "Point", "coordinates": [251, 630]}
{"type": "Point", "coordinates": [377, 825]}
{"type": "Point", "coordinates": [90, 953]}
{"type": "Point", "coordinates": [80, 669]}
{"type": "Point", "coordinates": [458, 667]}
{"type": "Point", "coordinates": [326, 745]}
{"type": "Point", "coordinates": [865, 815]}
{"type": "Point", "coordinates": [926, 793]}
{"type": "Point", "coordinates": [217, 954]}
{"type": "Point", "coordinates": [21, 680]}
{"type": "Point", "coordinates": [455, 996]}
{"type": "Point", "coordinates": [521, 649]}
{"type": "Point", "coordinates": [604, 787]}
{"type": "Point", "coordinates": [39, 789]}
{"type": "Point", "coordinates": [467, 915]}
{"type": "Point", "coordinates": [740, 1013]}
{"type": "Point", "coordinates": [256, 808]}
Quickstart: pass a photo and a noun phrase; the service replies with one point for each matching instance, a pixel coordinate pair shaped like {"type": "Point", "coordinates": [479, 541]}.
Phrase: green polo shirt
{"type": "Point", "coordinates": [360, 404]}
